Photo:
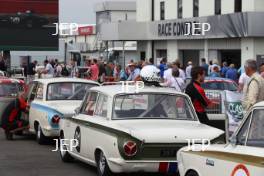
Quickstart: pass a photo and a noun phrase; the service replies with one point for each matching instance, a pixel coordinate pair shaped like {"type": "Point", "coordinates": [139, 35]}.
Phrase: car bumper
{"type": "Point", "coordinates": [122, 166]}
{"type": "Point", "coordinates": [51, 132]}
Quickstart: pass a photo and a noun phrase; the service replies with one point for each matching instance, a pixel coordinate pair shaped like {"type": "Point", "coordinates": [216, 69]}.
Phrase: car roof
{"type": "Point", "coordinates": [112, 90]}
{"type": "Point", "coordinates": [260, 104]}
{"type": "Point", "coordinates": [61, 80]}
{"type": "Point", "coordinates": [218, 79]}
{"type": "Point", "coordinates": [10, 80]}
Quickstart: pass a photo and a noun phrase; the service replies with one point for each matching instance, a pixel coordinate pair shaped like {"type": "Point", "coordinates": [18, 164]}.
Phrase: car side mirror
{"type": "Point", "coordinates": [233, 140]}
{"type": "Point", "coordinates": [32, 96]}
{"type": "Point", "coordinates": [77, 111]}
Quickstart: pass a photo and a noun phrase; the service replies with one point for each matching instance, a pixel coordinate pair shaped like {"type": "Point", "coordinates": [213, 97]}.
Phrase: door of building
{"type": "Point", "coordinates": [231, 57]}
{"type": "Point", "coordinates": [190, 55]}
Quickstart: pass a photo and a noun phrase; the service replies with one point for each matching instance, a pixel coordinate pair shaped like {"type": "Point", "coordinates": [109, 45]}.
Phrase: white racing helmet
{"type": "Point", "coordinates": [150, 74]}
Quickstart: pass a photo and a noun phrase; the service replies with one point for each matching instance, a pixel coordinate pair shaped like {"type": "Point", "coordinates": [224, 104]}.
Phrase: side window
{"type": "Point", "coordinates": [256, 131]}
{"type": "Point", "coordinates": [101, 107]}
{"type": "Point", "coordinates": [242, 135]}
{"type": "Point", "coordinates": [89, 105]}
{"type": "Point", "coordinates": [32, 91]}
{"type": "Point", "coordinates": [39, 92]}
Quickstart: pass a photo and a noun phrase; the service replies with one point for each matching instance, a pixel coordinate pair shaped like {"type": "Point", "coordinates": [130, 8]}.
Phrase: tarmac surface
{"type": "Point", "coordinates": [25, 157]}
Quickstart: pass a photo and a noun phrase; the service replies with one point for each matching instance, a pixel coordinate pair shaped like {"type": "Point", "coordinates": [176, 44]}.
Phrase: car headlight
{"type": "Point", "coordinates": [130, 148]}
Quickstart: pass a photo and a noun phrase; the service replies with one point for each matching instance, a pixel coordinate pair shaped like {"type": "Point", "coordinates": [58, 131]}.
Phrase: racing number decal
{"type": "Point", "coordinates": [77, 136]}
{"type": "Point", "coordinates": [240, 170]}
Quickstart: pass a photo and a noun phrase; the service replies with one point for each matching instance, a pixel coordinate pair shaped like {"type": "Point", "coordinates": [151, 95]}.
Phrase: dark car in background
{"type": "Point", "coordinates": [27, 19]}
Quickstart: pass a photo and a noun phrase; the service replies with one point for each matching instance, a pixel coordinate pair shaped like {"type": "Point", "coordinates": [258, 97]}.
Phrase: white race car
{"type": "Point", "coordinates": [243, 156]}
{"type": "Point", "coordinates": [53, 99]}
{"type": "Point", "coordinates": [132, 131]}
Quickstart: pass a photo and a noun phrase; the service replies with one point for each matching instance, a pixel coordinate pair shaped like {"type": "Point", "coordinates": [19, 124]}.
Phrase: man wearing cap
{"type": "Point", "coordinates": [134, 72]}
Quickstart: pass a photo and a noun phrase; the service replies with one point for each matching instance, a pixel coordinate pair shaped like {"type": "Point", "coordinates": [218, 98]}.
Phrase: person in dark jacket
{"type": "Point", "coordinates": [197, 94]}
{"type": "Point", "coordinates": [11, 118]}
{"type": "Point", "coordinates": [2, 64]}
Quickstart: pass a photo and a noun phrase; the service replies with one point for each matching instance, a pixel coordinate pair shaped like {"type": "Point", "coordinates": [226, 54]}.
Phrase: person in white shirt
{"type": "Point", "coordinates": [49, 70]}
{"type": "Point", "coordinates": [189, 70]}
{"type": "Point", "coordinates": [243, 80]}
{"type": "Point", "coordinates": [175, 81]}
{"type": "Point", "coordinates": [182, 73]}
{"type": "Point", "coordinates": [168, 73]}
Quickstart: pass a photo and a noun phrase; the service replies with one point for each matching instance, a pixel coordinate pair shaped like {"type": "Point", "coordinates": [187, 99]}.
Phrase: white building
{"type": "Point", "coordinates": [116, 12]}
{"type": "Point", "coordinates": [236, 32]}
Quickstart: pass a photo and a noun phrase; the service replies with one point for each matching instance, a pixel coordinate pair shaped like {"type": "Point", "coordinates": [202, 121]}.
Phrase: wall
{"type": "Point", "coordinates": [171, 9]}
{"type": "Point", "coordinates": [121, 15]}
{"type": "Point", "coordinates": [228, 6]}
{"type": "Point", "coordinates": [259, 5]}
{"type": "Point", "coordinates": [172, 52]}
{"type": "Point", "coordinates": [187, 8]}
{"type": "Point", "coordinates": [157, 9]}
{"type": "Point", "coordinates": [206, 7]}
{"type": "Point", "coordinates": [247, 49]}
{"type": "Point", "coordinates": [248, 5]}
{"type": "Point", "coordinates": [144, 9]}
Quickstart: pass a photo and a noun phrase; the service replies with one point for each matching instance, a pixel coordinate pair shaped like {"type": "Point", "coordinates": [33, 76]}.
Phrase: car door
{"type": "Point", "coordinates": [93, 136]}
{"type": "Point", "coordinates": [78, 128]}
{"type": "Point", "coordinates": [248, 154]}
{"type": "Point", "coordinates": [29, 96]}
{"type": "Point", "coordinates": [253, 147]}
{"type": "Point", "coordinates": [32, 92]}
{"type": "Point", "coordinates": [36, 114]}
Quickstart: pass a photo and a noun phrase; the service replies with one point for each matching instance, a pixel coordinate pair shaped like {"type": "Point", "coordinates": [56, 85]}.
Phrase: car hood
{"type": "Point", "coordinates": [168, 131]}
{"type": "Point", "coordinates": [65, 107]}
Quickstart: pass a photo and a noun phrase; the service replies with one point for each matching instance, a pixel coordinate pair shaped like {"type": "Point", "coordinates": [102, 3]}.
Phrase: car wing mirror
{"type": "Point", "coordinates": [77, 111]}
{"type": "Point", "coordinates": [233, 140]}
{"type": "Point", "coordinates": [32, 97]}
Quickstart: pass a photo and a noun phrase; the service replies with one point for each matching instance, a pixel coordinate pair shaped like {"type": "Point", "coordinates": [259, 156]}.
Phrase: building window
{"type": "Point", "coordinates": [162, 10]}
{"type": "Point", "coordinates": [195, 8]}
{"type": "Point", "coordinates": [218, 7]}
{"type": "Point", "coordinates": [238, 5]}
{"type": "Point", "coordinates": [179, 8]}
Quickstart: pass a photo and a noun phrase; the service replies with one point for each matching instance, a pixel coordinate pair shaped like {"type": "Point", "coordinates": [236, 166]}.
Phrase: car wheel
{"type": "Point", "coordinates": [65, 155]}
{"type": "Point", "coordinates": [29, 24]}
{"type": "Point", "coordinates": [8, 135]}
{"type": "Point", "coordinates": [41, 138]}
{"type": "Point", "coordinates": [192, 173]}
{"type": "Point", "coordinates": [102, 166]}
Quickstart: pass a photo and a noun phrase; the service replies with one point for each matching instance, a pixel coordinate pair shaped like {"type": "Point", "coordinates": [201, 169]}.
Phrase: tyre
{"type": "Point", "coordinates": [29, 23]}
{"type": "Point", "coordinates": [192, 173]}
{"type": "Point", "coordinates": [8, 135]}
{"type": "Point", "coordinates": [65, 155]}
{"type": "Point", "coordinates": [41, 138]}
{"type": "Point", "coordinates": [102, 166]}
{"type": "Point", "coordinates": [19, 133]}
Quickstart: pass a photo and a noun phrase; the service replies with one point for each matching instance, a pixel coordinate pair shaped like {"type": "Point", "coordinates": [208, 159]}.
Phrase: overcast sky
{"type": "Point", "coordinates": [79, 11]}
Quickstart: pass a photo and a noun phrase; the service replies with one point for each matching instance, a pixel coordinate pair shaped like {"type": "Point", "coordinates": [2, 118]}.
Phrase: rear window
{"type": "Point", "coordinates": [9, 89]}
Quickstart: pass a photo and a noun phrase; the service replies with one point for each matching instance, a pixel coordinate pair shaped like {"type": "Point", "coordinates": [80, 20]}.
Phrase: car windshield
{"type": "Point", "coordinates": [67, 91]}
{"type": "Point", "coordinates": [215, 85]}
{"type": "Point", "coordinates": [256, 131]}
{"type": "Point", "coordinates": [8, 90]}
{"type": "Point", "coordinates": [152, 106]}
